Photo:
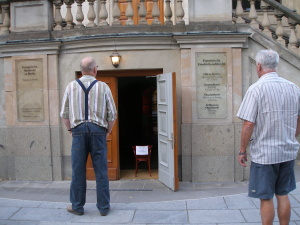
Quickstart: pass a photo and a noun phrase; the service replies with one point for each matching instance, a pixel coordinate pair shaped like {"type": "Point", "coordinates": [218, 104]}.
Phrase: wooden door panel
{"type": "Point", "coordinates": [112, 141]}
{"type": "Point", "coordinates": [90, 174]}
{"type": "Point", "coordinates": [109, 150]}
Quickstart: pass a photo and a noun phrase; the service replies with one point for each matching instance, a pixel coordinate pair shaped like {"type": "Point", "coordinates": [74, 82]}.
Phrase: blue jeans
{"type": "Point", "coordinates": [89, 138]}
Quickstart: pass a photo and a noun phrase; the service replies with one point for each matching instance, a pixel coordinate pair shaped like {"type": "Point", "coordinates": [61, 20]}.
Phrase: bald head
{"type": "Point", "coordinates": [87, 65]}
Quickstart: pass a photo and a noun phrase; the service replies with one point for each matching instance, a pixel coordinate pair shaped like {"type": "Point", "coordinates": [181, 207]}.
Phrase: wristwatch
{"type": "Point", "coordinates": [242, 153]}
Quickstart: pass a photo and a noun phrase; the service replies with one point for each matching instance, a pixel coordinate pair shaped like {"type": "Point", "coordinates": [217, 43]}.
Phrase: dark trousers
{"type": "Point", "coordinates": [89, 138]}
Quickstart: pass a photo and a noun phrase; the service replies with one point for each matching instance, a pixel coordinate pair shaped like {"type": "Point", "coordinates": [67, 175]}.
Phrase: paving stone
{"type": "Point", "coordinates": [297, 190]}
{"type": "Point", "coordinates": [14, 222]}
{"type": "Point", "coordinates": [297, 211]}
{"type": "Point", "coordinates": [76, 223]}
{"type": "Point", "coordinates": [39, 214]}
{"type": "Point", "coordinates": [293, 199]}
{"type": "Point", "coordinates": [253, 215]}
{"type": "Point", "coordinates": [296, 197]}
{"type": "Point", "coordinates": [19, 203]}
{"type": "Point", "coordinates": [7, 212]}
{"type": "Point", "coordinates": [163, 217]}
{"type": "Point", "coordinates": [207, 203]}
{"type": "Point", "coordinates": [171, 205]}
{"type": "Point", "coordinates": [114, 216]}
{"type": "Point", "coordinates": [54, 205]}
{"type": "Point", "coordinates": [202, 224]}
{"type": "Point", "coordinates": [248, 224]}
{"type": "Point", "coordinates": [241, 201]}
{"type": "Point", "coordinates": [216, 216]}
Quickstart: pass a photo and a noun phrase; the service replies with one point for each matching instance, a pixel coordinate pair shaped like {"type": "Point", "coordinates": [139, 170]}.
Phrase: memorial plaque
{"type": "Point", "coordinates": [29, 74]}
{"type": "Point", "coordinates": [31, 105]}
{"type": "Point", "coordinates": [211, 76]}
{"type": "Point", "coordinates": [30, 95]}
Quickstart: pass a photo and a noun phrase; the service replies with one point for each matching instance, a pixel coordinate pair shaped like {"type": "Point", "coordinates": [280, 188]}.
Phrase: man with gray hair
{"type": "Point", "coordinates": [88, 112]}
{"type": "Point", "coordinates": [270, 111]}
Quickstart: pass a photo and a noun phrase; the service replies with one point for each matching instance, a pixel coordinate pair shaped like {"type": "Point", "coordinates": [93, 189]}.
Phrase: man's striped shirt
{"type": "Point", "coordinates": [101, 104]}
{"type": "Point", "coordinates": [273, 104]}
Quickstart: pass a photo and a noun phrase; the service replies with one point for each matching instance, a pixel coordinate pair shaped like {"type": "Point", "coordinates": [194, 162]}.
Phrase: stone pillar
{"type": "Point", "coordinates": [212, 10]}
{"type": "Point", "coordinates": [31, 15]}
{"type": "Point", "coordinates": [32, 118]}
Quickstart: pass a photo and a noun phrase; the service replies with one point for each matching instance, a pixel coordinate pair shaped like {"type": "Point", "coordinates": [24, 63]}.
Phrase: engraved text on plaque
{"type": "Point", "coordinates": [211, 76]}
{"type": "Point", "coordinates": [30, 97]}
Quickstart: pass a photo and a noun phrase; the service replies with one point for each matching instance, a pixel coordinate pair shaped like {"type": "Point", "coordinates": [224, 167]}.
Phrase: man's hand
{"type": "Point", "coordinates": [242, 159]}
{"type": "Point", "coordinates": [247, 130]}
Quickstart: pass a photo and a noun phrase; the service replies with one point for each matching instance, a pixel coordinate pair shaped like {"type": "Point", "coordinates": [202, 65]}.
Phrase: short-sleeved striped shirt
{"type": "Point", "coordinates": [273, 104]}
{"type": "Point", "coordinates": [101, 104]}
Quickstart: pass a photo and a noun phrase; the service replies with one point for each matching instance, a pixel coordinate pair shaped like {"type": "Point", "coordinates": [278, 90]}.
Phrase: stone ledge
{"type": "Point", "coordinates": [121, 31]}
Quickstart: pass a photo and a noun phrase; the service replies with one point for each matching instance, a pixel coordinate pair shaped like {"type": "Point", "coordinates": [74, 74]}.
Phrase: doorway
{"type": "Point", "coordinates": [137, 115]}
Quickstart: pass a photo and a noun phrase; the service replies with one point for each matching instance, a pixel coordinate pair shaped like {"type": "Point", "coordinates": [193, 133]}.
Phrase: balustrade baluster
{"type": "Point", "coordinates": [129, 13]}
{"type": "Point", "coordinates": [155, 13]}
{"type": "Point", "coordinates": [239, 11]}
{"type": "Point", "coordinates": [6, 20]}
{"type": "Point", "coordinates": [103, 15]}
{"type": "Point", "coordinates": [168, 13]}
{"type": "Point", "coordinates": [293, 38]}
{"type": "Point", "coordinates": [265, 22]}
{"type": "Point", "coordinates": [279, 29]}
{"type": "Point", "coordinates": [116, 13]}
{"type": "Point", "coordinates": [58, 18]}
{"type": "Point", "coordinates": [79, 14]}
{"type": "Point", "coordinates": [179, 13]}
{"type": "Point", "coordinates": [69, 16]}
{"type": "Point", "coordinates": [91, 14]}
{"type": "Point", "coordinates": [142, 13]}
{"type": "Point", "coordinates": [253, 15]}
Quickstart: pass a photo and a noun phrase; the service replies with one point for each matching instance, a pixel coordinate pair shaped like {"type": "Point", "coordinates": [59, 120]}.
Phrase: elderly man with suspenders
{"type": "Point", "coordinates": [88, 112]}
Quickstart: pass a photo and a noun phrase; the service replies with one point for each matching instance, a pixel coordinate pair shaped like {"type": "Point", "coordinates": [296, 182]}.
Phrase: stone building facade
{"type": "Point", "coordinates": [208, 47]}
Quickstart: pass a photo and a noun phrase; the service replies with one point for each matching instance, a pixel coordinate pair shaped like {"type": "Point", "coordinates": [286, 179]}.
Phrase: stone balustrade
{"type": "Point", "coordinates": [102, 16]}
{"type": "Point", "coordinates": [69, 14]}
{"type": "Point", "coordinates": [270, 8]}
{"type": "Point", "coordinates": [4, 19]}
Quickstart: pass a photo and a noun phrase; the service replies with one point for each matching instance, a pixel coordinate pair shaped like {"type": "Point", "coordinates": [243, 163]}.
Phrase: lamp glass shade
{"type": "Point", "coordinates": [115, 59]}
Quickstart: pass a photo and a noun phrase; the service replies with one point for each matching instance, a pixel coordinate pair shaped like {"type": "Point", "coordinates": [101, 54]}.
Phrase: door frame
{"type": "Point", "coordinates": [116, 74]}
{"type": "Point", "coordinates": [144, 73]}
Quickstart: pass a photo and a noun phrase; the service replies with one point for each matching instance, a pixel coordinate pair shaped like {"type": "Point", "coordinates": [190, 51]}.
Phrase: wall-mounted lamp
{"type": "Point", "coordinates": [115, 58]}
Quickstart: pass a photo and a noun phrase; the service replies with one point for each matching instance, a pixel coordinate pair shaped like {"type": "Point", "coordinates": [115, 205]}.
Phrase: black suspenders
{"type": "Point", "coordinates": [86, 91]}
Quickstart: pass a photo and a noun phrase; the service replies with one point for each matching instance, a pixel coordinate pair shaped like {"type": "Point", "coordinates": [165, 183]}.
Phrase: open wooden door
{"type": "Point", "coordinates": [167, 131]}
{"type": "Point", "coordinates": [112, 141]}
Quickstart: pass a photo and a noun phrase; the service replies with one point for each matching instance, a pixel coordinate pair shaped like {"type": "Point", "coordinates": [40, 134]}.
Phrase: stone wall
{"type": "Point", "coordinates": [166, 59]}
{"type": "Point", "coordinates": [210, 139]}
{"type": "Point", "coordinates": [6, 158]}
{"type": "Point", "coordinates": [32, 124]}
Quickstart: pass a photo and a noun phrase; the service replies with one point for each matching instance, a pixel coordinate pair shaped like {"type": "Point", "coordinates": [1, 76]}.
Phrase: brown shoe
{"type": "Point", "coordinates": [71, 210]}
{"type": "Point", "coordinates": [105, 212]}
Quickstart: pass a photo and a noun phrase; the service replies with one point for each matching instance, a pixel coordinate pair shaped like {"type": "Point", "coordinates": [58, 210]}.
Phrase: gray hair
{"type": "Point", "coordinates": [268, 59]}
{"type": "Point", "coordinates": [87, 64]}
